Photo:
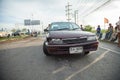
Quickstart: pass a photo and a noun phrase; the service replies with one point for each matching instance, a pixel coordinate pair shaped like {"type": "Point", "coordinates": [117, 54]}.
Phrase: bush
{"type": "Point", "coordinates": [88, 28]}
{"type": "Point", "coordinates": [93, 31]}
{"type": "Point", "coordinates": [103, 31]}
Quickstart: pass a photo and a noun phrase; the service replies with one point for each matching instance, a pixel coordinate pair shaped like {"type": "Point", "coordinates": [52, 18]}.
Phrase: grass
{"type": "Point", "coordinates": [13, 38]}
{"type": "Point", "coordinates": [102, 31]}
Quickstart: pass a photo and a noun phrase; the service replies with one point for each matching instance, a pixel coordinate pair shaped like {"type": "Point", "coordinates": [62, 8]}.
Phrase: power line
{"type": "Point", "coordinates": [85, 9]}
{"type": "Point", "coordinates": [103, 4]}
{"type": "Point", "coordinates": [88, 8]}
{"type": "Point", "coordinates": [83, 4]}
{"type": "Point", "coordinates": [94, 6]}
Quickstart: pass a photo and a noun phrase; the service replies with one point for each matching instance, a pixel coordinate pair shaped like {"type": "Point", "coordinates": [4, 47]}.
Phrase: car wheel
{"type": "Point", "coordinates": [86, 52]}
{"type": "Point", "coordinates": [45, 50]}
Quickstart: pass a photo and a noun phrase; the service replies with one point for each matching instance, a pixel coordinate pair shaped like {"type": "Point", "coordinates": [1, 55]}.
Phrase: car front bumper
{"type": "Point", "coordinates": [64, 49]}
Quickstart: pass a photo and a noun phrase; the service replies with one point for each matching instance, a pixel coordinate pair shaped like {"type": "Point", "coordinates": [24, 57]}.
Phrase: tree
{"type": "Point", "coordinates": [24, 30]}
{"type": "Point", "coordinates": [88, 28]}
{"type": "Point", "coordinates": [13, 30]}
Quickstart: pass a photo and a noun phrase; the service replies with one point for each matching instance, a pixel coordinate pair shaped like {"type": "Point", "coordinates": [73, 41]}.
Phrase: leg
{"type": "Point", "coordinates": [106, 36]}
{"type": "Point", "coordinates": [119, 39]}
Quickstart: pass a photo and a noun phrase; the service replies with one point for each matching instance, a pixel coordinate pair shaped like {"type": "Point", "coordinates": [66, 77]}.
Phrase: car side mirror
{"type": "Point", "coordinates": [45, 30]}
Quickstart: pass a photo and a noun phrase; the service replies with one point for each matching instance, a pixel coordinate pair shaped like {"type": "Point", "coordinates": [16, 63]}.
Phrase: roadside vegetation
{"type": "Point", "coordinates": [14, 34]}
{"type": "Point", "coordinates": [2, 39]}
{"type": "Point", "coordinates": [90, 28]}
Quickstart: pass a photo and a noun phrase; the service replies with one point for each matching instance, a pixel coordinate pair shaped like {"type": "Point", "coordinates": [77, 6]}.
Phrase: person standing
{"type": "Point", "coordinates": [109, 32]}
{"type": "Point", "coordinates": [98, 31]}
{"type": "Point", "coordinates": [118, 31]}
{"type": "Point", "coordinates": [114, 35]}
{"type": "Point", "coordinates": [82, 28]}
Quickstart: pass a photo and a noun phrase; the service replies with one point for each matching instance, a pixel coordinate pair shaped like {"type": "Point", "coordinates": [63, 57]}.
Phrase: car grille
{"type": "Point", "coordinates": [74, 40]}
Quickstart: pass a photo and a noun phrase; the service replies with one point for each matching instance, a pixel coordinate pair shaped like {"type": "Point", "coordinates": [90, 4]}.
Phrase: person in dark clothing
{"type": "Point", "coordinates": [82, 27]}
{"type": "Point", "coordinates": [98, 32]}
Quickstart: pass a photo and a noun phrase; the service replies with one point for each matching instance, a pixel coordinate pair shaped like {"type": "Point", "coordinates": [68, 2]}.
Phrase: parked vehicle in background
{"type": "Point", "coordinates": [68, 38]}
{"type": "Point", "coordinates": [34, 34]}
{"type": "Point", "coordinates": [16, 33]}
{"type": "Point", "coordinates": [3, 34]}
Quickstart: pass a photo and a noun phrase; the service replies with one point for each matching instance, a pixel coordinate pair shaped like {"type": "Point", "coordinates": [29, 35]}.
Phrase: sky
{"type": "Point", "coordinates": [110, 11]}
{"type": "Point", "coordinates": [47, 11]}
{"type": "Point", "coordinates": [17, 10]}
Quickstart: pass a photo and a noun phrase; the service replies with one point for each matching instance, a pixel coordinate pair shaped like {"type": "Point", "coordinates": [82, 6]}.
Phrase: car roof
{"type": "Point", "coordinates": [60, 22]}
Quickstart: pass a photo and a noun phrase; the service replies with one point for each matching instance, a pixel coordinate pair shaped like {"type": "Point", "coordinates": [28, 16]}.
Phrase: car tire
{"type": "Point", "coordinates": [45, 50]}
{"type": "Point", "coordinates": [86, 52]}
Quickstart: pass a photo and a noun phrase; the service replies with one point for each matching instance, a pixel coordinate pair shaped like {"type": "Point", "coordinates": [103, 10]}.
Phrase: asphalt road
{"type": "Point", "coordinates": [25, 60]}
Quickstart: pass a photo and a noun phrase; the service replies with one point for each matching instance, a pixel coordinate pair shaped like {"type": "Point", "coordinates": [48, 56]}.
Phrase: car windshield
{"type": "Point", "coordinates": [63, 26]}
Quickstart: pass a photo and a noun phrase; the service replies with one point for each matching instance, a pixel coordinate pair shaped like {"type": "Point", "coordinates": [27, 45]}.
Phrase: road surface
{"type": "Point", "coordinates": [25, 60]}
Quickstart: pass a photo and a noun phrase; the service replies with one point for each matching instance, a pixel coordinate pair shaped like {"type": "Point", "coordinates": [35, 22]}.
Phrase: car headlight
{"type": "Point", "coordinates": [90, 38]}
{"type": "Point", "coordinates": [57, 41]}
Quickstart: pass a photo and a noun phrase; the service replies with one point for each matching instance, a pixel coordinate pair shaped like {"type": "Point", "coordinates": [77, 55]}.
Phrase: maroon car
{"type": "Point", "coordinates": [68, 38]}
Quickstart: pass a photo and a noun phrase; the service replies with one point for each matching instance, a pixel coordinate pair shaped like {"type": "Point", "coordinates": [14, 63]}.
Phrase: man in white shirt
{"type": "Point", "coordinates": [118, 30]}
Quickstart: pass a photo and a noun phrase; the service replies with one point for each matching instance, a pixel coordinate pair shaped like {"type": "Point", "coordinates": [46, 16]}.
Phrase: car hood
{"type": "Point", "coordinates": [69, 34]}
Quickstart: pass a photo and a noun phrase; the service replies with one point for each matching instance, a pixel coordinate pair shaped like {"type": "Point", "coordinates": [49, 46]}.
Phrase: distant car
{"type": "Point", "coordinates": [3, 34]}
{"type": "Point", "coordinates": [68, 38]}
{"type": "Point", "coordinates": [16, 33]}
{"type": "Point", "coordinates": [34, 34]}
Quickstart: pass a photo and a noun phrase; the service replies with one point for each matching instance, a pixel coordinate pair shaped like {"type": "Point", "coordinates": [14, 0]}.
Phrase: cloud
{"type": "Point", "coordinates": [22, 9]}
{"type": "Point", "coordinates": [15, 11]}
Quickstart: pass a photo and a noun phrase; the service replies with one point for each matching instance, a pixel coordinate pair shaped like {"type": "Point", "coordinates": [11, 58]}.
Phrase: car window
{"type": "Point", "coordinates": [75, 26]}
{"type": "Point", "coordinates": [54, 27]}
{"type": "Point", "coordinates": [63, 26]}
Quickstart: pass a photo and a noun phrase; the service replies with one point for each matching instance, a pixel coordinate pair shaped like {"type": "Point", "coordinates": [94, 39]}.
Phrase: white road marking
{"type": "Point", "coordinates": [58, 70]}
{"type": "Point", "coordinates": [62, 68]}
{"type": "Point", "coordinates": [86, 67]}
{"type": "Point", "coordinates": [110, 50]}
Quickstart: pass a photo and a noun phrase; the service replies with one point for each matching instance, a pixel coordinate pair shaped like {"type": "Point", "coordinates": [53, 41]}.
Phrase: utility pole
{"type": "Point", "coordinates": [76, 16]}
{"type": "Point", "coordinates": [68, 13]}
{"type": "Point", "coordinates": [31, 23]}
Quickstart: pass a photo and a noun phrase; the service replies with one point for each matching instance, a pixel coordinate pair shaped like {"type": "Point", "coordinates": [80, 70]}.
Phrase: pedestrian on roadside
{"type": "Point", "coordinates": [109, 32]}
{"type": "Point", "coordinates": [98, 32]}
{"type": "Point", "coordinates": [115, 34]}
{"type": "Point", "coordinates": [118, 31]}
{"type": "Point", "coordinates": [82, 28]}
{"type": "Point", "coordinates": [8, 35]}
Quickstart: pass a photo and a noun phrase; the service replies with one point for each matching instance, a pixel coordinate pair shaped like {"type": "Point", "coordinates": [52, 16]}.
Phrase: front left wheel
{"type": "Point", "coordinates": [45, 50]}
{"type": "Point", "coordinates": [86, 52]}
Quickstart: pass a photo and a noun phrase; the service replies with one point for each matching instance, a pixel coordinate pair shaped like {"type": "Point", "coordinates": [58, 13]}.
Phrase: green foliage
{"type": "Point", "coordinates": [103, 31]}
{"type": "Point", "coordinates": [93, 31]}
{"type": "Point", "coordinates": [13, 30]}
{"type": "Point", "coordinates": [12, 38]}
{"type": "Point", "coordinates": [24, 30]}
{"type": "Point", "coordinates": [88, 28]}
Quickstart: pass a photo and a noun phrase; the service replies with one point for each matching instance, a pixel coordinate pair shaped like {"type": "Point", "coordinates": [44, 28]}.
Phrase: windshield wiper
{"type": "Point", "coordinates": [64, 29]}
{"type": "Point", "coordinates": [75, 28]}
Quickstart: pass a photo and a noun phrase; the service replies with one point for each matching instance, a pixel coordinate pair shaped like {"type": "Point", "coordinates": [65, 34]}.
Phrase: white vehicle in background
{"type": "Point", "coordinates": [5, 34]}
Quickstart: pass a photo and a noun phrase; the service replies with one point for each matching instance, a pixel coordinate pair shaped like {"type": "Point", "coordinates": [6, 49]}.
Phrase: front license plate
{"type": "Point", "coordinates": [73, 50]}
